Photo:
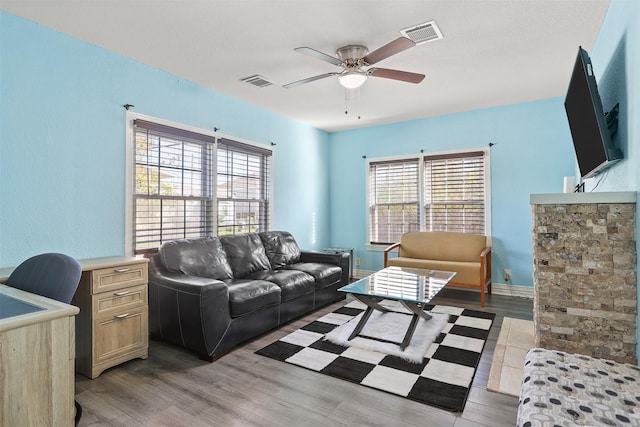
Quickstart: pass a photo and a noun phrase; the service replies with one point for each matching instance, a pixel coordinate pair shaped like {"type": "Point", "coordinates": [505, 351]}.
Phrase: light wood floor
{"type": "Point", "coordinates": [174, 388]}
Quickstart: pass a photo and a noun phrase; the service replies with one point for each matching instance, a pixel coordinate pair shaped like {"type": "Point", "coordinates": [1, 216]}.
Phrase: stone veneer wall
{"type": "Point", "coordinates": [584, 259]}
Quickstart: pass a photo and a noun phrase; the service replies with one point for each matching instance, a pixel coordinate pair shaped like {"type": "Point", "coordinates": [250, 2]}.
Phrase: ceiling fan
{"type": "Point", "coordinates": [352, 59]}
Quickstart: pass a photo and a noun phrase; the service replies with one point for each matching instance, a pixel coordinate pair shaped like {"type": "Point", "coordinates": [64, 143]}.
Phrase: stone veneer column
{"type": "Point", "coordinates": [584, 259]}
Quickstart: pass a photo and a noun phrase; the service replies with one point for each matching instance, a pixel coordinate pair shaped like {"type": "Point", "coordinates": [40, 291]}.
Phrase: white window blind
{"type": "Point", "coordinates": [454, 193]}
{"type": "Point", "coordinates": [243, 178]}
{"type": "Point", "coordinates": [393, 200]}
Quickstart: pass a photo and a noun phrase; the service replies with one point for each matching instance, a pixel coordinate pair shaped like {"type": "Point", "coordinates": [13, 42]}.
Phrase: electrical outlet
{"type": "Point", "coordinates": [507, 275]}
{"type": "Point", "coordinates": [358, 262]}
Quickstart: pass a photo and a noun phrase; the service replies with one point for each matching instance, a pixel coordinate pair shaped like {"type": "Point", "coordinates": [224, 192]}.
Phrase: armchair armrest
{"type": "Point", "coordinates": [485, 265]}
{"type": "Point", "coordinates": [387, 250]}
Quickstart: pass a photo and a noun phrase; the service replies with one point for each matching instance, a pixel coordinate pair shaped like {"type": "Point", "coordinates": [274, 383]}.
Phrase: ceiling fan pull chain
{"type": "Point", "coordinates": [346, 100]}
{"type": "Point", "coordinates": [349, 96]}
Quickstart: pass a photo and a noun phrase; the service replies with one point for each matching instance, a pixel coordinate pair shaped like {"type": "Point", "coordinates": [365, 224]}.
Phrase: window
{"type": "Point", "coordinates": [176, 172]}
{"type": "Point", "coordinates": [394, 204]}
{"type": "Point", "coordinates": [444, 192]}
{"type": "Point", "coordinates": [242, 188]}
{"type": "Point", "coordinates": [454, 193]}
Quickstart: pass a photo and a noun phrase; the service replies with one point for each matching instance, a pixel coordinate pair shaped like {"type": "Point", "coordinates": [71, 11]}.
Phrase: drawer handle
{"type": "Point", "coordinates": [121, 270]}
{"type": "Point", "coordinates": [121, 293]}
{"type": "Point", "coordinates": [121, 316]}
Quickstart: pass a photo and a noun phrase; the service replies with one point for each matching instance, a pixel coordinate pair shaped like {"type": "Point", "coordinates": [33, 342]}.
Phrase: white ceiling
{"type": "Point", "coordinates": [494, 52]}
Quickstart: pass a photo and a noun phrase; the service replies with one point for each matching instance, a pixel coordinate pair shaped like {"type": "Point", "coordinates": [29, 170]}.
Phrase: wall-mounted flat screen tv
{"type": "Point", "coordinates": [589, 128]}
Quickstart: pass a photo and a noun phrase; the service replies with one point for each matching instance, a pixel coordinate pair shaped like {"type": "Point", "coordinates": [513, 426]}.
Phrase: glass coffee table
{"type": "Point", "coordinates": [411, 287]}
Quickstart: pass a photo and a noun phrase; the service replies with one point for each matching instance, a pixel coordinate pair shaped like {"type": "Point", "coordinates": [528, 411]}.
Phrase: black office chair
{"type": "Point", "coordinates": [51, 275]}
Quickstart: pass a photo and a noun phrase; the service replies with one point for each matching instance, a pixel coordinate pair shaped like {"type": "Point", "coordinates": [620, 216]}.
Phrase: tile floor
{"type": "Point", "coordinates": [514, 340]}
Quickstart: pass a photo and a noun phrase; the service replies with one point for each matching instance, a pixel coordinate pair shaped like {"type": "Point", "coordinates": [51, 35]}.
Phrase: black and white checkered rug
{"type": "Point", "coordinates": [443, 379]}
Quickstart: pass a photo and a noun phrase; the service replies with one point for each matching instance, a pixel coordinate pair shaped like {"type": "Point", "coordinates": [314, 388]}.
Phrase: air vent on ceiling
{"type": "Point", "coordinates": [423, 33]}
{"type": "Point", "coordinates": [257, 81]}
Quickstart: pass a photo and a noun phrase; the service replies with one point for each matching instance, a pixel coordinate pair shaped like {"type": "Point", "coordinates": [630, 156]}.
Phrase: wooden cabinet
{"type": "Point", "coordinates": [112, 326]}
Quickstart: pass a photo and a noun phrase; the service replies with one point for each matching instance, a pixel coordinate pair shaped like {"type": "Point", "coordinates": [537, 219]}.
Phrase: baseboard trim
{"type": "Point", "coordinates": [512, 290]}
{"type": "Point", "coordinates": [361, 274]}
{"type": "Point", "coordinates": [496, 288]}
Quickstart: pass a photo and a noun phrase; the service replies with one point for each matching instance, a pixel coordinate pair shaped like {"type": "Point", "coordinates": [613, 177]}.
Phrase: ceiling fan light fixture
{"type": "Point", "coordinates": [352, 79]}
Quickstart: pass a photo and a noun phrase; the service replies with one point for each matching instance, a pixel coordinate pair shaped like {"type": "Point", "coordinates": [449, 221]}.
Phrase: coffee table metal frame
{"type": "Point", "coordinates": [411, 287]}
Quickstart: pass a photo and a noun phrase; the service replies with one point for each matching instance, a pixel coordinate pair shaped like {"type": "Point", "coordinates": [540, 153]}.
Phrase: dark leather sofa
{"type": "Point", "coordinates": [211, 294]}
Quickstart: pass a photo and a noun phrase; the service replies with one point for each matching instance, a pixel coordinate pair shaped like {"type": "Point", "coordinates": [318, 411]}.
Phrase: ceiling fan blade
{"type": "Point", "coordinates": [404, 76]}
{"type": "Point", "coordinates": [309, 79]}
{"type": "Point", "coordinates": [317, 54]}
{"type": "Point", "coordinates": [389, 49]}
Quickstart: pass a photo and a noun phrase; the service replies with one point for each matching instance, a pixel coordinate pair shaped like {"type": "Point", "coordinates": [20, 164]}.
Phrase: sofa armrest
{"type": "Point", "coordinates": [341, 259]}
{"type": "Point", "coordinates": [189, 284]}
{"type": "Point", "coordinates": [387, 250]}
{"type": "Point", "coordinates": [180, 282]}
{"type": "Point", "coordinates": [187, 310]}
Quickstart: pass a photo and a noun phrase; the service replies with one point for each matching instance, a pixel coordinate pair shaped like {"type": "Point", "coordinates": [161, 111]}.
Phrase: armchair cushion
{"type": "Point", "coordinates": [442, 245]}
{"type": "Point", "coordinates": [466, 272]}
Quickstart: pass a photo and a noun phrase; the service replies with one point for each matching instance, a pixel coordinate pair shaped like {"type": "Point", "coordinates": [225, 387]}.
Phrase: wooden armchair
{"type": "Point", "coordinates": [469, 255]}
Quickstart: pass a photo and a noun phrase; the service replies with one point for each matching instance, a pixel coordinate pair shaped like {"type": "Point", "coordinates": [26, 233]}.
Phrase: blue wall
{"type": "Point", "coordinates": [616, 63]}
{"type": "Point", "coordinates": [62, 144]}
{"type": "Point", "coordinates": [533, 153]}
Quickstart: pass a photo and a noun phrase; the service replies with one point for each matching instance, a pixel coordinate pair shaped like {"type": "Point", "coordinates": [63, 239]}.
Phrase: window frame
{"type": "Point", "coordinates": [421, 160]}
{"type": "Point", "coordinates": [130, 174]}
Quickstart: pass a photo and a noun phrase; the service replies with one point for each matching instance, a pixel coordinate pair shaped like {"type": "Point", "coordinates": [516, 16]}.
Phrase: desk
{"type": "Point", "coordinates": [37, 354]}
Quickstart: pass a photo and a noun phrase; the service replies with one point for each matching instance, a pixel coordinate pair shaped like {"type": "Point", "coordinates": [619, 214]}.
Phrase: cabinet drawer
{"type": "Point", "coordinates": [119, 300]}
{"type": "Point", "coordinates": [118, 335]}
{"type": "Point", "coordinates": [122, 276]}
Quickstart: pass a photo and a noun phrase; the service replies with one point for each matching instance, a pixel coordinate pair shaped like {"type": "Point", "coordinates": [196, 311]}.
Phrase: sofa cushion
{"type": "Point", "coordinates": [324, 274]}
{"type": "Point", "coordinates": [245, 253]}
{"type": "Point", "coordinates": [246, 296]}
{"type": "Point", "coordinates": [203, 257]}
{"type": "Point", "coordinates": [292, 283]}
{"type": "Point", "coordinates": [281, 248]}
{"type": "Point", "coordinates": [442, 245]}
{"type": "Point", "coordinates": [466, 272]}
